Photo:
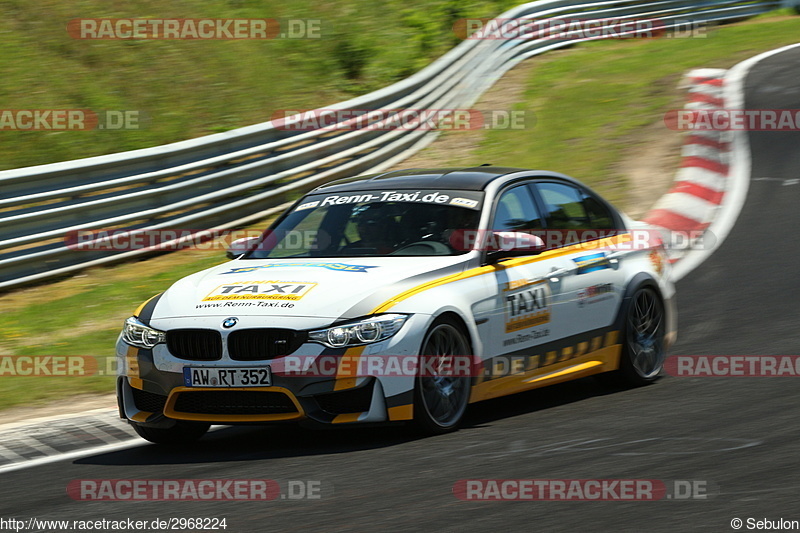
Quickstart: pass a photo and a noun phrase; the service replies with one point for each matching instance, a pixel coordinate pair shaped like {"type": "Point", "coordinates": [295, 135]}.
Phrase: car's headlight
{"type": "Point", "coordinates": [365, 331]}
{"type": "Point", "coordinates": [137, 334]}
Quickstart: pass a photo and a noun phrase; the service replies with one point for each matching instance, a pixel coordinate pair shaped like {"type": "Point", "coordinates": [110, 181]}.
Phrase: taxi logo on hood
{"type": "Point", "coordinates": [260, 290]}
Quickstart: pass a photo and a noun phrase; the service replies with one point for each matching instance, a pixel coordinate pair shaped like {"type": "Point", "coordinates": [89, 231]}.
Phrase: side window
{"type": "Point", "coordinates": [516, 211]}
{"type": "Point", "coordinates": [564, 205]}
{"type": "Point", "coordinates": [599, 215]}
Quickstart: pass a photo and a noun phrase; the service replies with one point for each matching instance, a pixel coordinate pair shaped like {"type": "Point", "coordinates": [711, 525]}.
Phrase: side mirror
{"type": "Point", "coordinates": [240, 246]}
{"type": "Point", "coordinates": [504, 244]}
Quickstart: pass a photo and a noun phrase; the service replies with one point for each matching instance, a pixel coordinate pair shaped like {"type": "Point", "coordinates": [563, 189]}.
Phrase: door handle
{"type": "Point", "coordinates": [558, 273]}
{"type": "Point", "coordinates": [614, 257]}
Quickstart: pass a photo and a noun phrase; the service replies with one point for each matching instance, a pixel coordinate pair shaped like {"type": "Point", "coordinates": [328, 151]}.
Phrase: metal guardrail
{"type": "Point", "coordinates": [243, 175]}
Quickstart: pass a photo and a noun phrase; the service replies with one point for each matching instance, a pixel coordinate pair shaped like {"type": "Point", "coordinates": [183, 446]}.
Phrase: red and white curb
{"type": "Point", "coordinates": [737, 181]}
{"type": "Point", "coordinates": [700, 185]}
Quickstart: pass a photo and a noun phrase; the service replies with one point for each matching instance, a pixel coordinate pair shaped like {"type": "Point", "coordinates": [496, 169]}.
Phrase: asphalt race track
{"type": "Point", "coordinates": [740, 435]}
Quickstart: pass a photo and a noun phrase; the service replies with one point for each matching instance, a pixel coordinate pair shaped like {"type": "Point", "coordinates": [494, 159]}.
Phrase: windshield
{"type": "Point", "coordinates": [373, 223]}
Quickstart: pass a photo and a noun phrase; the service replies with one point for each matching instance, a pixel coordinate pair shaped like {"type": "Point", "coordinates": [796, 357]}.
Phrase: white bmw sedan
{"type": "Point", "coordinates": [403, 296]}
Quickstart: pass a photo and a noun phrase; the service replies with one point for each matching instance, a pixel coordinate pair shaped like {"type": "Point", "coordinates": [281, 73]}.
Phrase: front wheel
{"type": "Point", "coordinates": [440, 398]}
{"type": "Point", "coordinates": [183, 432]}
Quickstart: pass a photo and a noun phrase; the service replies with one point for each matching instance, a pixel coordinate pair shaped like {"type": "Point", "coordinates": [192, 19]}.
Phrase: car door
{"type": "Point", "coordinates": [590, 287]}
{"type": "Point", "coordinates": [528, 305]}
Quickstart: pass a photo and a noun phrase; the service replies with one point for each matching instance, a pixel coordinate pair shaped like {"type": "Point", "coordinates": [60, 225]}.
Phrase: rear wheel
{"type": "Point", "coordinates": [643, 350]}
{"type": "Point", "coordinates": [183, 432]}
{"type": "Point", "coordinates": [440, 399]}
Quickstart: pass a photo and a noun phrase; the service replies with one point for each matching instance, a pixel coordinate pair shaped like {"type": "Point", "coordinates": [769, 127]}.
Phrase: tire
{"type": "Point", "coordinates": [643, 351]}
{"type": "Point", "coordinates": [183, 432]}
{"type": "Point", "coordinates": [440, 401]}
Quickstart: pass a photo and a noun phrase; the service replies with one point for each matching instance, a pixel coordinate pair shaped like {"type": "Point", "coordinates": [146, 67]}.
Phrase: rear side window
{"type": "Point", "coordinates": [564, 206]}
{"type": "Point", "coordinates": [599, 215]}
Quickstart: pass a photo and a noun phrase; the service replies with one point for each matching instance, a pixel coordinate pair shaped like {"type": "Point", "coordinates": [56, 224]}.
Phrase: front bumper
{"type": "Point", "coordinates": [151, 390]}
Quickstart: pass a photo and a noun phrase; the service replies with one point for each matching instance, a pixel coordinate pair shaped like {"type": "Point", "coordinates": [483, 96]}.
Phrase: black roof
{"type": "Point", "coordinates": [470, 179]}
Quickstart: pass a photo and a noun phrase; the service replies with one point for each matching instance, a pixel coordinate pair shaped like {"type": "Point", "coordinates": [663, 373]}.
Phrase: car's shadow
{"type": "Point", "coordinates": [243, 443]}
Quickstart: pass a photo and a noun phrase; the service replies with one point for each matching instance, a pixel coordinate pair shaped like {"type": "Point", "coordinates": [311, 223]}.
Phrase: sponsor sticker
{"type": "Point", "coordinates": [436, 197]}
{"type": "Point", "coordinates": [260, 304]}
{"type": "Point", "coordinates": [527, 304]}
{"type": "Point", "coordinates": [342, 267]}
{"type": "Point", "coordinates": [595, 293]}
{"type": "Point", "coordinates": [464, 202]}
{"type": "Point", "coordinates": [260, 290]}
{"type": "Point", "coordinates": [307, 205]}
{"type": "Point", "coordinates": [657, 261]}
{"type": "Point", "coordinates": [591, 263]}
{"type": "Point", "coordinates": [524, 338]}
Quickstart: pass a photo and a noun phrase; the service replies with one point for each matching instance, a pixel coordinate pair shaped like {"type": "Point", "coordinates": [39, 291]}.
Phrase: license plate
{"type": "Point", "coordinates": [227, 377]}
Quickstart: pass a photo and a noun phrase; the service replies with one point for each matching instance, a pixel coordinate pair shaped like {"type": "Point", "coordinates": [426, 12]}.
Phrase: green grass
{"type": "Point", "coordinates": [591, 101]}
{"type": "Point", "coordinates": [186, 88]}
{"type": "Point", "coordinates": [84, 320]}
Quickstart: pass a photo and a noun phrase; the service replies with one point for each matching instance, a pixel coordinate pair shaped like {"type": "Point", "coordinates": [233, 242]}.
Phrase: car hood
{"type": "Point", "coordinates": [333, 289]}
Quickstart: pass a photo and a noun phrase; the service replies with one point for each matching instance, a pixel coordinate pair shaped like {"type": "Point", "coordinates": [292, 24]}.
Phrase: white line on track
{"type": "Point", "coordinates": [23, 463]}
{"type": "Point", "coordinates": [10, 454]}
{"type": "Point", "coordinates": [77, 454]}
{"type": "Point", "coordinates": [31, 442]}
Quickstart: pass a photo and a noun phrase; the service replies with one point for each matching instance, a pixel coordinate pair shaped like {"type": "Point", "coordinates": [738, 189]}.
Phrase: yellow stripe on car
{"type": "Point", "coordinates": [139, 309]}
{"type": "Point", "coordinates": [141, 416]}
{"type": "Point", "coordinates": [346, 418]}
{"type": "Point", "coordinates": [579, 364]}
{"type": "Point", "coordinates": [347, 371]}
{"type": "Point", "coordinates": [509, 263]}
{"type": "Point", "coordinates": [401, 412]}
